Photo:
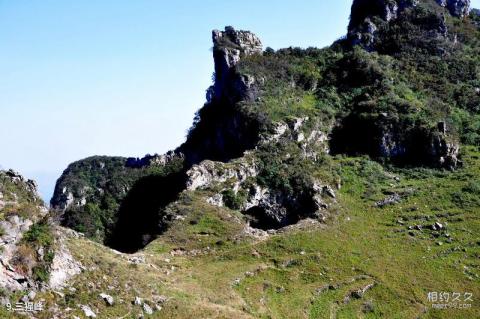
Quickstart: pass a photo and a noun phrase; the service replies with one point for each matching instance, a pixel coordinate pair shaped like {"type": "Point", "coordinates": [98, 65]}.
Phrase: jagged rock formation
{"type": "Point", "coordinates": [239, 188]}
{"type": "Point", "coordinates": [384, 138]}
{"type": "Point", "coordinates": [17, 194]}
{"type": "Point", "coordinates": [30, 245]}
{"type": "Point", "coordinates": [396, 28]}
{"type": "Point", "coordinates": [369, 17]}
{"type": "Point", "coordinates": [229, 47]}
{"type": "Point", "coordinates": [364, 16]}
{"type": "Point", "coordinates": [220, 131]}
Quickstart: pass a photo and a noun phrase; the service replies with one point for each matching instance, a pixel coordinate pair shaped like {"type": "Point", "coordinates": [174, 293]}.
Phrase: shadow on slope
{"type": "Point", "coordinates": [140, 215]}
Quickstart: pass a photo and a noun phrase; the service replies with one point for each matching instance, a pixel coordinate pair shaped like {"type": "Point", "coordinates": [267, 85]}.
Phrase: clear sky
{"type": "Point", "coordinates": [124, 77]}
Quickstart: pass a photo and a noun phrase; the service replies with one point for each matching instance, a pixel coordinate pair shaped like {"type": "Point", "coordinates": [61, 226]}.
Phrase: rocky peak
{"type": "Point", "coordinates": [16, 178]}
{"type": "Point", "coordinates": [385, 9]}
{"type": "Point", "coordinates": [362, 27]}
{"type": "Point", "coordinates": [229, 47]}
{"type": "Point", "coordinates": [457, 8]}
{"type": "Point", "coordinates": [369, 17]}
{"type": "Point", "coordinates": [247, 42]}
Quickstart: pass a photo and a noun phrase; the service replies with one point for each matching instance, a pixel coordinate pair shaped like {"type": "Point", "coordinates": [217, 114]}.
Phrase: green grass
{"type": "Point", "coordinates": [219, 272]}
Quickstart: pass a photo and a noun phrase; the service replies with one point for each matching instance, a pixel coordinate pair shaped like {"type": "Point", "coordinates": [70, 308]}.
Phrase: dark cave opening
{"type": "Point", "coordinates": [260, 218]}
{"type": "Point", "coordinates": [141, 214]}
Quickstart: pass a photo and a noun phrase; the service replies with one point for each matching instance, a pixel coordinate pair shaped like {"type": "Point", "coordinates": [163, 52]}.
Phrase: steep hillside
{"type": "Point", "coordinates": [398, 235]}
{"type": "Point", "coordinates": [33, 255]}
{"type": "Point", "coordinates": [90, 193]}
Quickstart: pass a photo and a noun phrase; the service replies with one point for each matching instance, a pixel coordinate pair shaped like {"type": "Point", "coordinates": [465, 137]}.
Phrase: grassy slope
{"type": "Point", "coordinates": [292, 270]}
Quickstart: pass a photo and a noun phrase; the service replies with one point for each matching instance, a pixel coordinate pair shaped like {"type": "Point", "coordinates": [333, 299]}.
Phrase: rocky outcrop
{"type": "Point", "coordinates": [21, 207]}
{"type": "Point", "coordinates": [312, 137]}
{"type": "Point", "coordinates": [263, 207]}
{"type": "Point", "coordinates": [207, 173]}
{"type": "Point", "coordinates": [153, 160]}
{"type": "Point", "coordinates": [365, 15]}
{"type": "Point", "coordinates": [457, 8]}
{"type": "Point", "coordinates": [369, 17]}
{"type": "Point", "coordinates": [385, 9]}
{"type": "Point", "coordinates": [85, 179]}
{"type": "Point", "coordinates": [229, 47]}
{"type": "Point", "coordinates": [13, 229]}
{"type": "Point", "coordinates": [64, 266]}
{"type": "Point", "coordinates": [383, 137]}
{"type": "Point", "coordinates": [220, 131]}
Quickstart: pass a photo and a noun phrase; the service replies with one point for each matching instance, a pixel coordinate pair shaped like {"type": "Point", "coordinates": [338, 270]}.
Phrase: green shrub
{"type": "Point", "coordinates": [232, 200]}
{"type": "Point", "coordinates": [39, 234]}
{"type": "Point", "coordinates": [41, 273]}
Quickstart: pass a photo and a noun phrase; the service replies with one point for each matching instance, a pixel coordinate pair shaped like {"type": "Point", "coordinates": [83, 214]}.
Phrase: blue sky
{"type": "Point", "coordinates": [122, 77]}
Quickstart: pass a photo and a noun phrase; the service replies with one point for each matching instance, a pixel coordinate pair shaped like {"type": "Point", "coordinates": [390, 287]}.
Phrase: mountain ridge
{"type": "Point", "coordinates": [232, 122]}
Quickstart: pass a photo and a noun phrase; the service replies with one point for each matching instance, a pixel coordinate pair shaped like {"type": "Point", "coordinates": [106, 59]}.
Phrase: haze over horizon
{"type": "Point", "coordinates": [124, 78]}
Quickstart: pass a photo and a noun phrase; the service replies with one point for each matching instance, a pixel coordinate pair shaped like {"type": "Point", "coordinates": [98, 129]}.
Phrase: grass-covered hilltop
{"type": "Point", "coordinates": [341, 182]}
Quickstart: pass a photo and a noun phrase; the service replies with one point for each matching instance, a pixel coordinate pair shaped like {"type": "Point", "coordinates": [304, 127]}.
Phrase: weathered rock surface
{"type": "Point", "coordinates": [107, 298]}
{"type": "Point", "coordinates": [208, 172]}
{"type": "Point", "coordinates": [23, 208]}
{"type": "Point", "coordinates": [13, 228]}
{"type": "Point", "coordinates": [264, 208]}
{"type": "Point", "coordinates": [64, 266]}
{"type": "Point", "coordinates": [88, 311]}
{"type": "Point", "coordinates": [16, 261]}
{"type": "Point", "coordinates": [229, 47]}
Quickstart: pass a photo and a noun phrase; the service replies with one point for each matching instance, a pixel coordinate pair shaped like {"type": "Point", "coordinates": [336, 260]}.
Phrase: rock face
{"type": "Point", "coordinates": [13, 229]}
{"type": "Point", "coordinates": [64, 267]}
{"type": "Point", "coordinates": [229, 47]}
{"type": "Point", "coordinates": [384, 9]}
{"type": "Point", "coordinates": [368, 17]}
{"type": "Point", "coordinates": [457, 8]}
{"type": "Point", "coordinates": [209, 172]}
{"type": "Point", "coordinates": [390, 139]}
{"type": "Point", "coordinates": [22, 211]}
{"type": "Point", "coordinates": [22, 208]}
{"type": "Point", "coordinates": [363, 27]}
